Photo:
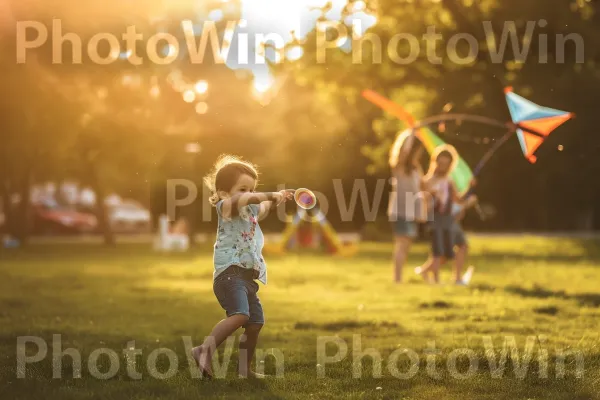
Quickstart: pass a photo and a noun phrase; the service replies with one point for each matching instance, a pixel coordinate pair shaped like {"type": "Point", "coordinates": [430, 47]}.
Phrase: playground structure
{"type": "Point", "coordinates": [313, 232]}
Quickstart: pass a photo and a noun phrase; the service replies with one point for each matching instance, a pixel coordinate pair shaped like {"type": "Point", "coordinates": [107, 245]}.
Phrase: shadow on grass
{"type": "Point", "coordinates": [439, 304]}
{"type": "Point", "coordinates": [483, 287]}
{"type": "Point", "coordinates": [584, 299]}
{"type": "Point", "coordinates": [538, 292]}
{"type": "Point", "coordinates": [346, 324]}
{"type": "Point", "coordinates": [550, 310]}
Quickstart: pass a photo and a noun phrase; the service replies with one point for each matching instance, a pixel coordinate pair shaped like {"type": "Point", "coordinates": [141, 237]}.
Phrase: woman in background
{"type": "Point", "coordinates": [404, 203]}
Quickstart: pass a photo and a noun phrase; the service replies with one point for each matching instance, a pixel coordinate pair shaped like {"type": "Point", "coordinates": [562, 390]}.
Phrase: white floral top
{"type": "Point", "coordinates": [240, 242]}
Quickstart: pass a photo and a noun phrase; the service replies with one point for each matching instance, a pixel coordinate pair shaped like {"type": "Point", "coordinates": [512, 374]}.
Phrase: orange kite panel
{"type": "Point", "coordinates": [545, 125]}
{"type": "Point", "coordinates": [532, 142]}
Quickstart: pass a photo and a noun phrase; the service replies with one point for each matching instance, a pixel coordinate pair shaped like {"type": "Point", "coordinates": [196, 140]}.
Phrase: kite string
{"type": "Point", "coordinates": [461, 117]}
{"type": "Point", "coordinates": [474, 118]}
{"type": "Point", "coordinates": [488, 155]}
{"type": "Point", "coordinates": [463, 138]}
{"type": "Point", "coordinates": [491, 152]}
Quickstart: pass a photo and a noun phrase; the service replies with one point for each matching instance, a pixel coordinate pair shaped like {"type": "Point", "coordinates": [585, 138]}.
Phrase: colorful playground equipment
{"type": "Point", "coordinates": [313, 232]}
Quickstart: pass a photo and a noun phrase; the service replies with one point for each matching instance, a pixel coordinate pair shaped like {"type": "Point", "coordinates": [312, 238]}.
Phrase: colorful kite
{"type": "Point", "coordinates": [532, 123]}
{"type": "Point", "coordinates": [461, 175]}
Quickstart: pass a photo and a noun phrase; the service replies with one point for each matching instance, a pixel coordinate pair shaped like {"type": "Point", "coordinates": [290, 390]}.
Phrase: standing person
{"type": "Point", "coordinates": [460, 243]}
{"type": "Point", "coordinates": [438, 183]}
{"type": "Point", "coordinates": [406, 184]}
{"type": "Point", "coordinates": [238, 259]}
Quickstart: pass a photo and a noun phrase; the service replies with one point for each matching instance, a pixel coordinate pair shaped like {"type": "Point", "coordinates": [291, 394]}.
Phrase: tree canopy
{"type": "Point", "coordinates": [303, 120]}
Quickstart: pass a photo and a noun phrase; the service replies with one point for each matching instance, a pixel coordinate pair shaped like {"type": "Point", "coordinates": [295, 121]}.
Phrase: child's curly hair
{"type": "Point", "coordinates": [225, 174]}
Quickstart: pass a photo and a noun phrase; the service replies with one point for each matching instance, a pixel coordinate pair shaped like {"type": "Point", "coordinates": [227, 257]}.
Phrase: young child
{"type": "Point", "coordinates": [238, 260]}
{"type": "Point", "coordinates": [460, 243]}
{"type": "Point", "coordinates": [406, 177]}
{"type": "Point", "coordinates": [443, 227]}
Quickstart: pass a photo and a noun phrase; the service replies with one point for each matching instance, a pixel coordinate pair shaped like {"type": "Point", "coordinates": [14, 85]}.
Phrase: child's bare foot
{"type": "Point", "coordinates": [201, 357]}
{"type": "Point", "coordinates": [252, 374]}
{"type": "Point", "coordinates": [423, 274]}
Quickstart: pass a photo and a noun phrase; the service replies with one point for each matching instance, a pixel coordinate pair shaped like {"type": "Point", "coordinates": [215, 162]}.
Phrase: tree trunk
{"type": "Point", "coordinates": [101, 214]}
{"type": "Point", "coordinates": [24, 210]}
{"type": "Point", "coordinates": [6, 209]}
{"type": "Point", "coordinates": [193, 208]}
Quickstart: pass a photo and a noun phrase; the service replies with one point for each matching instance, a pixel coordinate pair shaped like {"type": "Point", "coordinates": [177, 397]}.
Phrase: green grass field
{"type": "Point", "coordinates": [543, 290]}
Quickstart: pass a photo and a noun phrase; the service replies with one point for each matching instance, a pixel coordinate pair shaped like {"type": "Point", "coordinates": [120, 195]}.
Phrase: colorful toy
{"type": "Point", "coordinates": [310, 232]}
{"type": "Point", "coordinates": [305, 198]}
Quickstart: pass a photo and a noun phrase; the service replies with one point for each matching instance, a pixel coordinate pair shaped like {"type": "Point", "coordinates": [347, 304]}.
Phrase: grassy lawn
{"type": "Point", "coordinates": [542, 290]}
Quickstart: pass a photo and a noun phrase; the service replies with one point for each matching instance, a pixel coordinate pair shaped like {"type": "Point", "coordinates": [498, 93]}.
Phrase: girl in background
{"type": "Point", "coordinates": [404, 207]}
{"type": "Point", "coordinates": [444, 232]}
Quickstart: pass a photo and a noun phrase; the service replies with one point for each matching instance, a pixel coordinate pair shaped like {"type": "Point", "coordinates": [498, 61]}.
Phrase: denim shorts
{"type": "Point", "coordinates": [442, 242]}
{"type": "Point", "coordinates": [458, 236]}
{"type": "Point", "coordinates": [238, 295]}
{"type": "Point", "coordinates": [402, 227]}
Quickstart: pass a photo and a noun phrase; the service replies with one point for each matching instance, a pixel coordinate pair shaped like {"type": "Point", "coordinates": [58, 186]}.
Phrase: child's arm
{"type": "Point", "coordinates": [425, 185]}
{"type": "Point", "coordinates": [427, 190]}
{"type": "Point", "coordinates": [464, 200]}
{"type": "Point", "coordinates": [232, 205]}
{"type": "Point", "coordinates": [470, 201]}
{"type": "Point", "coordinates": [456, 197]}
{"type": "Point", "coordinates": [428, 185]}
{"type": "Point", "coordinates": [267, 206]}
{"type": "Point", "coordinates": [467, 203]}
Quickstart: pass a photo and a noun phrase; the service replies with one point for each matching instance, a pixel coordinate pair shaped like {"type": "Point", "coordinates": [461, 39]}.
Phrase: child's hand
{"type": "Point", "coordinates": [471, 201]}
{"type": "Point", "coordinates": [286, 194]}
{"type": "Point", "coordinates": [289, 193]}
{"type": "Point", "coordinates": [282, 196]}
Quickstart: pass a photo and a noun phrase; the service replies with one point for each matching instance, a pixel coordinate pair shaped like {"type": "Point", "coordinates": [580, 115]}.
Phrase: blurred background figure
{"type": "Point", "coordinates": [406, 177]}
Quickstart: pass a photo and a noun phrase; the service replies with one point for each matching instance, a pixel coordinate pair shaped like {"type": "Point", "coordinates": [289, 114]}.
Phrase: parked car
{"type": "Point", "coordinates": [129, 217]}
{"type": "Point", "coordinates": [49, 218]}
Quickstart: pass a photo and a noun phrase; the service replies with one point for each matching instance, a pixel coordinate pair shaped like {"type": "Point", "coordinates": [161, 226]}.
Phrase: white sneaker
{"type": "Point", "coordinates": [467, 276]}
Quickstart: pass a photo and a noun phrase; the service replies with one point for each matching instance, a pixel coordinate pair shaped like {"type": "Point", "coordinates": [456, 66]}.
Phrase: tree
{"type": "Point", "coordinates": [426, 85]}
